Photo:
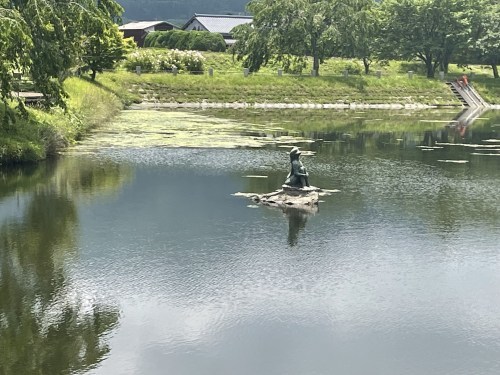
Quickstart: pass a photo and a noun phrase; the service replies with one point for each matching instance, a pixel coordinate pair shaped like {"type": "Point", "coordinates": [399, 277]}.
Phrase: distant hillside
{"type": "Point", "coordinates": [178, 11]}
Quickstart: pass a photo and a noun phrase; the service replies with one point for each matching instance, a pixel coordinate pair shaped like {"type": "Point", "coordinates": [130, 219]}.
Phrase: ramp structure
{"type": "Point", "coordinates": [468, 95]}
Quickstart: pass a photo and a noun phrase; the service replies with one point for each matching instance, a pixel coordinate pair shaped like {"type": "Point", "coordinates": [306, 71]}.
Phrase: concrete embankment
{"type": "Point", "coordinates": [210, 105]}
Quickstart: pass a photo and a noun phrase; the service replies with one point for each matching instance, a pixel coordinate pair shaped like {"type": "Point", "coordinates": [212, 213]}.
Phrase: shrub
{"type": "Point", "coordinates": [193, 61]}
{"type": "Point", "coordinates": [151, 61]}
{"type": "Point", "coordinates": [186, 40]}
{"type": "Point", "coordinates": [206, 41]}
{"type": "Point", "coordinates": [147, 60]}
{"type": "Point", "coordinates": [337, 66]}
{"type": "Point", "coordinates": [151, 38]}
{"type": "Point", "coordinates": [182, 40]}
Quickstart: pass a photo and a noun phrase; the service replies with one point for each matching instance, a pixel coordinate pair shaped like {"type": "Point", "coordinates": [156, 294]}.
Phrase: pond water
{"type": "Point", "coordinates": [130, 255]}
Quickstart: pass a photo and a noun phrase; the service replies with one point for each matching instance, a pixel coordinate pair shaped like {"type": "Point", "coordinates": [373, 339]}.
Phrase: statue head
{"type": "Point", "coordinates": [295, 153]}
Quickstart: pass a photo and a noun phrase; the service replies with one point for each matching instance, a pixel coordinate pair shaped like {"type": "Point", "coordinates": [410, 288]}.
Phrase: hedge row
{"type": "Point", "coordinates": [186, 40]}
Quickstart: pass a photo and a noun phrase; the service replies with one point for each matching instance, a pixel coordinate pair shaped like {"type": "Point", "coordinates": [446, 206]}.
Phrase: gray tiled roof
{"type": "Point", "coordinates": [220, 23]}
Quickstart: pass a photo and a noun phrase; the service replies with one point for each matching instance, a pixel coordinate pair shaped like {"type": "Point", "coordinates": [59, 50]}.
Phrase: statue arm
{"type": "Point", "coordinates": [299, 170]}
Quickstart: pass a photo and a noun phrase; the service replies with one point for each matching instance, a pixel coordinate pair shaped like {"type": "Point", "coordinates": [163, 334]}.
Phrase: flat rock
{"type": "Point", "coordinates": [289, 196]}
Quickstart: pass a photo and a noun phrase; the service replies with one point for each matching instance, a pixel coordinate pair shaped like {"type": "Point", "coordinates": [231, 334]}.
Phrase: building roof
{"type": "Point", "coordinates": [142, 25]}
{"type": "Point", "coordinates": [219, 23]}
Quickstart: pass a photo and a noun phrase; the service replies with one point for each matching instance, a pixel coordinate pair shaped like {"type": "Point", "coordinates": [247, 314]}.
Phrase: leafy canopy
{"type": "Point", "coordinates": [290, 30]}
{"type": "Point", "coordinates": [47, 39]}
{"type": "Point", "coordinates": [429, 30]}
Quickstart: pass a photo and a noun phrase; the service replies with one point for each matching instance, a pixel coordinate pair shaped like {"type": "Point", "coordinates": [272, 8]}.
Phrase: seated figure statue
{"type": "Point", "coordinates": [298, 176]}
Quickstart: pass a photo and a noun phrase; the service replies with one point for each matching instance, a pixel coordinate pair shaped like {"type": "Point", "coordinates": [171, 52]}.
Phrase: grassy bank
{"type": "Point", "coordinates": [41, 133]}
{"type": "Point", "coordinates": [262, 88]}
{"type": "Point", "coordinates": [229, 85]}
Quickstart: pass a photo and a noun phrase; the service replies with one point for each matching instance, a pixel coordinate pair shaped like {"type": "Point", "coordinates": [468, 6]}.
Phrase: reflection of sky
{"type": "Point", "coordinates": [207, 285]}
{"type": "Point", "coordinates": [12, 207]}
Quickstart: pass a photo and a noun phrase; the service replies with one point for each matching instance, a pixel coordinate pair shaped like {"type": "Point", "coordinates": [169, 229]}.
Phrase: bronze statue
{"type": "Point", "coordinates": [298, 176]}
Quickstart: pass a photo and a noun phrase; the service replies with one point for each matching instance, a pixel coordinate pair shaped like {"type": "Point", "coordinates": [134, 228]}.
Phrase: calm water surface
{"type": "Point", "coordinates": [123, 259]}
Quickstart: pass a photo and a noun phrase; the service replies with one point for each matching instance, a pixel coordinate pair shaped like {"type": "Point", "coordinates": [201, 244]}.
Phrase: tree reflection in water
{"type": "Point", "coordinates": [46, 326]}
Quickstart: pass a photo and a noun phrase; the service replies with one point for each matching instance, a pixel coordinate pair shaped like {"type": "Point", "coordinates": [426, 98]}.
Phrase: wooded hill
{"type": "Point", "coordinates": [178, 11]}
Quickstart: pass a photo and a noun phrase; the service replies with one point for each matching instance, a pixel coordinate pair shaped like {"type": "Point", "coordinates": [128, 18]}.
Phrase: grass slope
{"type": "Point", "coordinates": [229, 85]}
{"type": "Point", "coordinates": [261, 88]}
{"type": "Point", "coordinates": [41, 133]}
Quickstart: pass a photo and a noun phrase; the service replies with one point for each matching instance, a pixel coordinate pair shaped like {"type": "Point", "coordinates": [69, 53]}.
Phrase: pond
{"type": "Point", "coordinates": [131, 255]}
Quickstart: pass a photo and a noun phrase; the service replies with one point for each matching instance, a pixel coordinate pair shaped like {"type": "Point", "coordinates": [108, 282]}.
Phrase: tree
{"type": "Point", "coordinates": [429, 30]}
{"type": "Point", "coordinates": [57, 31]}
{"type": "Point", "coordinates": [361, 32]}
{"type": "Point", "coordinates": [296, 28]}
{"type": "Point", "coordinates": [103, 43]}
{"type": "Point", "coordinates": [103, 50]}
{"type": "Point", "coordinates": [486, 35]}
{"type": "Point", "coordinates": [15, 41]}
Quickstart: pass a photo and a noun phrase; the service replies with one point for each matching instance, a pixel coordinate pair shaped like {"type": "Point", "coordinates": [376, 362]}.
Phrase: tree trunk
{"type": "Point", "coordinates": [316, 63]}
{"type": "Point", "coordinates": [446, 66]}
{"type": "Point", "coordinates": [93, 74]}
{"type": "Point", "coordinates": [429, 65]}
{"type": "Point", "coordinates": [443, 66]}
{"type": "Point", "coordinates": [495, 70]}
{"type": "Point", "coordinates": [315, 53]}
{"type": "Point", "coordinates": [366, 63]}
{"type": "Point", "coordinates": [430, 68]}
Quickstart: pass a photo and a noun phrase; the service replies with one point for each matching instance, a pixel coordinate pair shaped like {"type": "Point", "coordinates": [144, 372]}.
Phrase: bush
{"type": "Point", "coordinates": [151, 38]}
{"type": "Point", "coordinates": [337, 66]}
{"type": "Point", "coordinates": [147, 60]}
{"type": "Point", "coordinates": [193, 61]}
{"type": "Point", "coordinates": [186, 40]}
{"type": "Point", "coordinates": [151, 61]}
{"type": "Point", "coordinates": [206, 41]}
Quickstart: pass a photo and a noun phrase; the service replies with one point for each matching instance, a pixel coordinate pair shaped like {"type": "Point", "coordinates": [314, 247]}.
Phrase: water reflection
{"type": "Point", "coordinates": [297, 220]}
{"type": "Point", "coordinates": [46, 326]}
{"type": "Point", "coordinates": [403, 263]}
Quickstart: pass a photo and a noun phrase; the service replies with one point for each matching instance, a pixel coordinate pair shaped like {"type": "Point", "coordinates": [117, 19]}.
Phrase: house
{"type": "Point", "coordinates": [214, 23]}
{"type": "Point", "coordinates": [139, 30]}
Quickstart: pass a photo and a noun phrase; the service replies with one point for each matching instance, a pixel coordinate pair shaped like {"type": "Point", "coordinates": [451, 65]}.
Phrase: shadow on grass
{"type": "Point", "coordinates": [117, 93]}
{"type": "Point", "coordinates": [357, 82]}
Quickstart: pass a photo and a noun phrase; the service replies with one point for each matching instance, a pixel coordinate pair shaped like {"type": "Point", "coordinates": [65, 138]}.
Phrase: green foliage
{"type": "Point", "coordinates": [186, 40]}
{"type": "Point", "coordinates": [252, 48]}
{"type": "Point", "coordinates": [48, 39]}
{"type": "Point", "coordinates": [338, 66]}
{"type": "Point", "coordinates": [179, 39]}
{"type": "Point", "coordinates": [154, 61]}
{"type": "Point", "coordinates": [42, 133]}
{"type": "Point", "coordinates": [206, 41]}
{"type": "Point", "coordinates": [360, 34]}
{"type": "Point", "coordinates": [282, 28]}
{"type": "Point", "coordinates": [103, 44]}
{"type": "Point", "coordinates": [486, 34]}
{"type": "Point", "coordinates": [150, 40]}
{"type": "Point", "coordinates": [103, 49]}
{"type": "Point", "coordinates": [430, 30]}
{"type": "Point", "coordinates": [14, 41]}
